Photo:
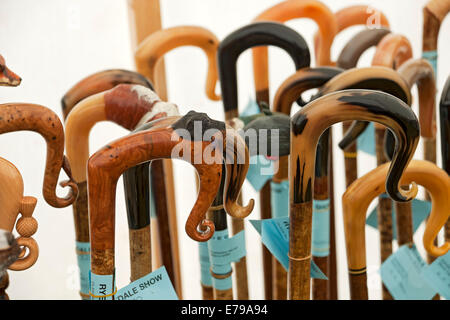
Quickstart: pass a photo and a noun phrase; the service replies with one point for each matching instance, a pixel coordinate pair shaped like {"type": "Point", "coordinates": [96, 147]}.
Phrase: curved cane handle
{"type": "Point", "coordinates": [358, 44]}
{"type": "Point", "coordinates": [355, 15]}
{"type": "Point", "coordinates": [7, 77]}
{"type": "Point", "coordinates": [434, 13]}
{"type": "Point", "coordinates": [151, 49]}
{"type": "Point", "coordinates": [98, 82]}
{"type": "Point", "coordinates": [255, 34]}
{"type": "Point", "coordinates": [293, 9]}
{"type": "Point", "coordinates": [310, 122]}
{"type": "Point", "coordinates": [37, 118]}
{"type": "Point", "coordinates": [392, 51]}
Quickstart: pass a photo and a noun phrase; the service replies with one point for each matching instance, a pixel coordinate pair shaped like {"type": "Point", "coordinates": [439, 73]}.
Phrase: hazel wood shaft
{"type": "Point", "coordinates": [306, 127]}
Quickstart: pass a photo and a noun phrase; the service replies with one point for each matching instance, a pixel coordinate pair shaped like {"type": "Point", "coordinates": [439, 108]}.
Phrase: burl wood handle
{"type": "Point", "coordinates": [7, 77]}
{"type": "Point", "coordinates": [33, 117]}
{"type": "Point", "coordinates": [156, 45]}
{"type": "Point", "coordinates": [253, 35]}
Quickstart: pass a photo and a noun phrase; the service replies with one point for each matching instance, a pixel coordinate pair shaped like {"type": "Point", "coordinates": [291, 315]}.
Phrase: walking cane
{"type": "Point", "coordinates": [291, 89]}
{"type": "Point", "coordinates": [345, 18]}
{"type": "Point", "coordinates": [386, 80]}
{"type": "Point", "coordinates": [348, 58]}
{"type": "Point", "coordinates": [9, 252]}
{"type": "Point", "coordinates": [151, 51]}
{"type": "Point", "coordinates": [361, 192]}
{"type": "Point", "coordinates": [444, 112]}
{"type": "Point", "coordinates": [256, 35]}
{"type": "Point", "coordinates": [14, 202]}
{"type": "Point", "coordinates": [106, 165]}
{"type": "Point", "coordinates": [307, 126]}
{"type": "Point", "coordinates": [128, 106]}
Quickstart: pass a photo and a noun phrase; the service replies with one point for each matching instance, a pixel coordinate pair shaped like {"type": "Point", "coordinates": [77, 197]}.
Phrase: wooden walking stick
{"type": "Point", "coordinates": [14, 202]}
{"type": "Point", "coordinates": [256, 35]}
{"type": "Point", "coordinates": [147, 57]}
{"type": "Point", "coordinates": [292, 88]}
{"type": "Point", "coordinates": [9, 252]}
{"type": "Point", "coordinates": [37, 118]}
{"type": "Point", "coordinates": [307, 126]}
{"type": "Point", "coordinates": [444, 114]}
{"type": "Point", "coordinates": [107, 164]}
{"type": "Point", "coordinates": [361, 192]}
{"type": "Point", "coordinates": [346, 17]}
{"type": "Point", "coordinates": [128, 106]}
{"type": "Point", "coordinates": [386, 80]}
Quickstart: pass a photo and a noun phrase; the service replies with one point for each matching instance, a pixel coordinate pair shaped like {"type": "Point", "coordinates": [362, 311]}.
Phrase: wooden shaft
{"type": "Point", "coordinates": [140, 252]}
{"type": "Point", "coordinates": [237, 225]}
{"type": "Point", "coordinates": [403, 212]}
{"type": "Point", "coordinates": [350, 158]}
{"type": "Point", "coordinates": [332, 260]}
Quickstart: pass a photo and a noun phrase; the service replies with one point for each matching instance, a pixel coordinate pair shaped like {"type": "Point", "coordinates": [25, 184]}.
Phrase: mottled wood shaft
{"type": "Point", "coordinates": [80, 214]}
{"type": "Point", "coordinates": [299, 253]}
{"type": "Point", "coordinates": [279, 289]}
{"type": "Point", "coordinates": [404, 222]}
{"type": "Point", "coordinates": [223, 294]}
{"type": "Point", "coordinates": [102, 261]}
{"type": "Point", "coordinates": [266, 213]}
{"type": "Point", "coordinates": [207, 293]}
{"type": "Point", "coordinates": [140, 252]}
{"type": "Point", "coordinates": [384, 209]}
{"type": "Point", "coordinates": [350, 158]}
{"type": "Point", "coordinates": [240, 267]}
{"type": "Point", "coordinates": [358, 286]}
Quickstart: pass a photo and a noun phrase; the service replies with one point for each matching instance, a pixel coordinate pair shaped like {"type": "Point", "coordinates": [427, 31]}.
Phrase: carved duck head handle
{"type": "Point", "coordinates": [37, 118]}
{"type": "Point", "coordinates": [253, 35]}
{"type": "Point", "coordinates": [7, 77]}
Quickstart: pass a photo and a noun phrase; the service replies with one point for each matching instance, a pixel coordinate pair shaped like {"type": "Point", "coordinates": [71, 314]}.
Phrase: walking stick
{"type": "Point", "coordinates": [128, 106]}
{"type": "Point", "coordinates": [13, 202]}
{"type": "Point", "coordinates": [346, 17]}
{"type": "Point", "coordinates": [256, 35]}
{"type": "Point", "coordinates": [386, 80]}
{"type": "Point", "coordinates": [148, 54]}
{"type": "Point", "coordinates": [361, 192]}
{"type": "Point", "coordinates": [291, 89]}
{"type": "Point", "coordinates": [444, 112]}
{"type": "Point", "coordinates": [307, 126]}
{"type": "Point", "coordinates": [9, 252]}
{"type": "Point", "coordinates": [106, 165]}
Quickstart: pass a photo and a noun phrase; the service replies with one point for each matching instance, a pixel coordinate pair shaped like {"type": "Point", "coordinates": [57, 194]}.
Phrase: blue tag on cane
{"type": "Point", "coordinates": [321, 228]}
{"type": "Point", "coordinates": [431, 57]}
{"type": "Point", "coordinates": [260, 171]}
{"type": "Point", "coordinates": [275, 236]}
{"type": "Point", "coordinates": [153, 286]}
{"type": "Point", "coordinates": [102, 287]}
{"type": "Point", "coordinates": [83, 250]}
{"type": "Point", "coordinates": [366, 141]}
{"type": "Point", "coordinates": [279, 195]}
{"type": "Point", "coordinates": [205, 265]}
{"type": "Point", "coordinates": [420, 210]}
{"type": "Point", "coordinates": [438, 275]}
{"type": "Point", "coordinates": [401, 274]}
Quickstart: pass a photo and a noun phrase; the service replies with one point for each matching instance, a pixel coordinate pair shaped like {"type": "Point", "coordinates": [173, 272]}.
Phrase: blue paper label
{"type": "Point", "coordinates": [153, 286]}
{"type": "Point", "coordinates": [420, 210]}
{"type": "Point", "coordinates": [401, 274]}
{"type": "Point", "coordinates": [366, 141]}
{"type": "Point", "coordinates": [431, 57]}
{"type": "Point", "coordinates": [260, 171]}
{"type": "Point", "coordinates": [275, 236]}
{"type": "Point", "coordinates": [205, 274]}
{"type": "Point", "coordinates": [250, 109]}
{"type": "Point", "coordinates": [223, 250]}
{"type": "Point", "coordinates": [103, 287]}
{"type": "Point", "coordinates": [437, 275]}
{"type": "Point", "coordinates": [219, 257]}
{"type": "Point", "coordinates": [321, 228]}
{"type": "Point", "coordinates": [83, 250]}
{"type": "Point", "coordinates": [280, 198]}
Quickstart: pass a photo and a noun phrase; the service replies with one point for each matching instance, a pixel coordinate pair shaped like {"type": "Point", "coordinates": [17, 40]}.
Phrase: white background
{"type": "Point", "coordinates": [52, 44]}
